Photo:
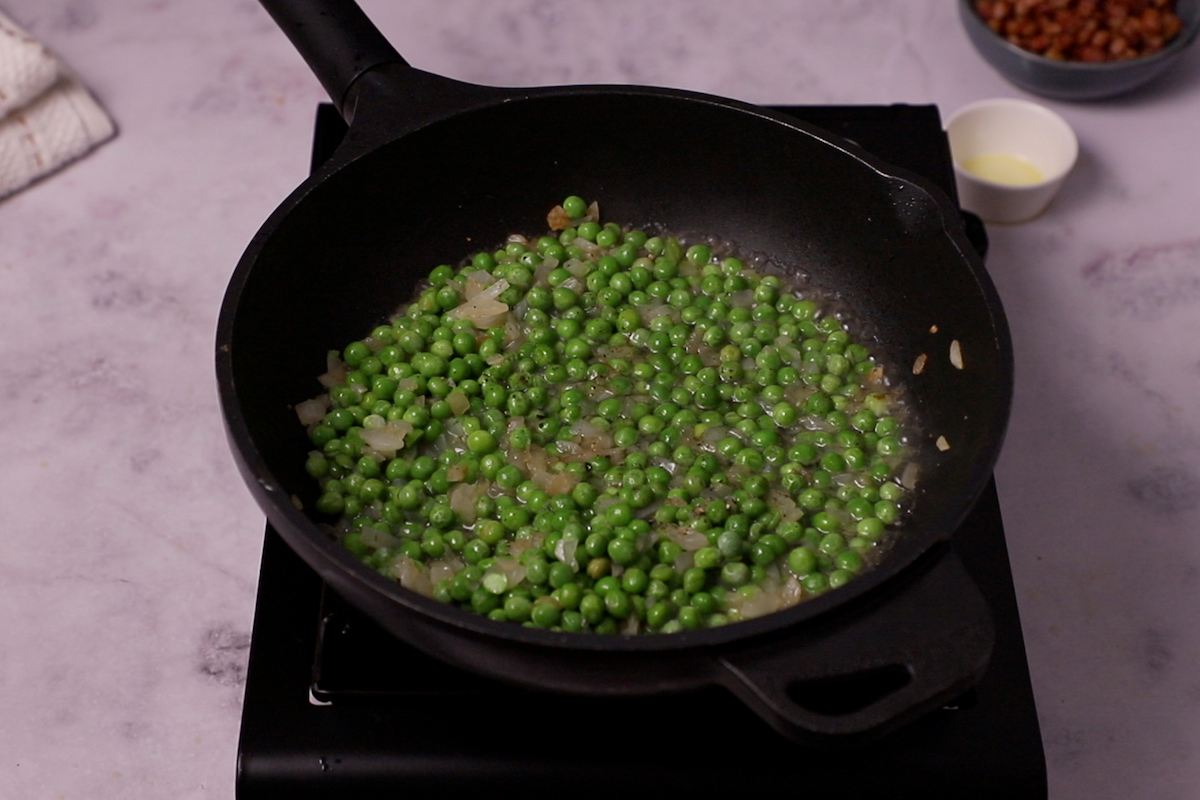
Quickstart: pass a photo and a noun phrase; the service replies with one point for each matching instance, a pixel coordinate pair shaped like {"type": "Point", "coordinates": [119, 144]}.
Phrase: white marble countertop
{"type": "Point", "coordinates": [129, 560]}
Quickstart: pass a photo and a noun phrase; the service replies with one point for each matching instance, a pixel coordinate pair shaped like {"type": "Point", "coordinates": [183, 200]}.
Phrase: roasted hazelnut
{"type": "Point", "coordinates": [1083, 30]}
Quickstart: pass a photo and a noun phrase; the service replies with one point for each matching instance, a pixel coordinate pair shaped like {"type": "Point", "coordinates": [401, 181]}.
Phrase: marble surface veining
{"type": "Point", "coordinates": [130, 549]}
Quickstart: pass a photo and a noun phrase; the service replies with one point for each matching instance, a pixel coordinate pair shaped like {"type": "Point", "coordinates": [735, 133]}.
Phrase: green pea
{"type": "Point", "coordinates": [707, 558]}
{"type": "Point", "coordinates": [545, 614]}
{"type": "Point", "coordinates": [591, 607]}
{"type": "Point", "coordinates": [887, 511]}
{"type": "Point", "coordinates": [622, 551]}
{"type": "Point", "coordinates": [699, 254]}
{"type": "Point", "coordinates": [659, 614]}
{"type": "Point", "coordinates": [574, 206]}
{"type": "Point", "coordinates": [694, 579]}
{"type": "Point", "coordinates": [831, 544]}
{"type": "Point", "coordinates": [735, 573]}
{"type": "Point", "coordinates": [801, 561]}
{"type": "Point", "coordinates": [815, 583]}
{"type": "Point", "coordinates": [517, 608]}
{"type": "Point", "coordinates": [849, 560]}
{"type": "Point", "coordinates": [839, 577]}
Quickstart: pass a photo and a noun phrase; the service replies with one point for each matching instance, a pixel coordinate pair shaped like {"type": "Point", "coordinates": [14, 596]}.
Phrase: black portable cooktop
{"type": "Point", "coordinates": [335, 707]}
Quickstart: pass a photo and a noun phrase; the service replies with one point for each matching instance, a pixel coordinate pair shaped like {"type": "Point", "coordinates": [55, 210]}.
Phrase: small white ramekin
{"type": "Point", "coordinates": [1015, 127]}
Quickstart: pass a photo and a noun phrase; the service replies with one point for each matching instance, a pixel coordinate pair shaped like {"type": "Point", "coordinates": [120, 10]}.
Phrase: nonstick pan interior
{"type": "Point", "coordinates": [352, 249]}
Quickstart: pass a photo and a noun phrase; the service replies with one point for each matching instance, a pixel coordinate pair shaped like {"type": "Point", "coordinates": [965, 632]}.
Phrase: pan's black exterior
{"type": "Point", "coordinates": [433, 169]}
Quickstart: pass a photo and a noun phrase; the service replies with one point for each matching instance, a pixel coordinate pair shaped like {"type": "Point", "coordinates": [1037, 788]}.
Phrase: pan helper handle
{"type": "Point", "coordinates": [872, 671]}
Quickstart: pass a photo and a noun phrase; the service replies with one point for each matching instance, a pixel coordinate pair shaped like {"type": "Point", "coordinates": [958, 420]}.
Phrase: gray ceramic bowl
{"type": "Point", "coordinates": [1074, 80]}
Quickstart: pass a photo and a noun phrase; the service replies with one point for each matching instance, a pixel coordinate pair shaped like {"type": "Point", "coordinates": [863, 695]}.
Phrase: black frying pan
{"type": "Point", "coordinates": [432, 169]}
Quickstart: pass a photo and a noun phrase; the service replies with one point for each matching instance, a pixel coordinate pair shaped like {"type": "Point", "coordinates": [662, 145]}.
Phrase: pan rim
{"type": "Point", "coordinates": [290, 521]}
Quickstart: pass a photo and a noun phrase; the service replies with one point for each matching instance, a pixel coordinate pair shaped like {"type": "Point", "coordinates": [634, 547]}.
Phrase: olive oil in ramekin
{"type": "Point", "coordinates": [1004, 168]}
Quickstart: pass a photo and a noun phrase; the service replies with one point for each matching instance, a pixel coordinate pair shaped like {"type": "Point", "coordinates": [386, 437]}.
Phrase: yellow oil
{"type": "Point", "coordinates": [1005, 168]}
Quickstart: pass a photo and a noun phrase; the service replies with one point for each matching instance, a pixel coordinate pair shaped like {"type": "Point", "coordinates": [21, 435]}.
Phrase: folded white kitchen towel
{"type": "Point", "coordinates": [47, 118]}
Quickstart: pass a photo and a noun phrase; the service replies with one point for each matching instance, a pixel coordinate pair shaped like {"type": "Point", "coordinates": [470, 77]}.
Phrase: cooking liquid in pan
{"type": "Point", "coordinates": [773, 468]}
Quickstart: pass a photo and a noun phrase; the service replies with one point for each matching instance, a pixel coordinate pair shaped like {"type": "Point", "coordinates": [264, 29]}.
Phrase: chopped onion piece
{"type": "Point", "coordinates": [755, 602]}
{"type": "Point", "coordinates": [797, 393]}
{"type": "Point", "coordinates": [483, 309]}
{"type": "Point", "coordinates": [742, 299]}
{"type": "Point", "coordinates": [492, 290]}
{"type": "Point", "coordinates": [687, 538]}
{"type": "Point", "coordinates": [477, 281]}
{"type": "Point", "coordinates": [786, 506]}
{"type": "Point", "coordinates": [335, 370]}
{"type": "Point", "coordinates": [919, 364]}
{"type": "Point", "coordinates": [484, 313]}
{"type": "Point", "coordinates": [388, 439]}
{"type": "Point", "coordinates": [590, 249]}
{"type": "Point", "coordinates": [942, 444]}
{"type": "Point", "coordinates": [609, 352]}
{"type": "Point", "coordinates": [791, 592]}
{"type": "Point", "coordinates": [533, 461]}
{"type": "Point", "coordinates": [512, 331]}
{"type": "Point", "coordinates": [956, 354]}
{"type": "Point", "coordinates": [815, 422]}
{"type": "Point", "coordinates": [723, 490]}
{"type": "Point", "coordinates": [458, 402]}
{"type": "Point", "coordinates": [557, 219]}
{"type": "Point", "coordinates": [412, 576]}
{"type": "Point", "coordinates": [554, 483]}
{"type": "Point", "coordinates": [463, 498]}
{"type": "Point", "coordinates": [564, 551]}
{"type": "Point", "coordinates": [604, 502]}
{"type": "Point", "coordinates": [312, 411]}
{"type": "Point", "coordinates": [908, 478]}
{"type": "Point", "coordinates": [569, 448]}
{"type": "Point", "coordinates": [592, 442]}
{"type": "Point", "coordinates": [575, 267]}
{"type": "Point", "coordinates": [652, 311]}
{"type": "Point", "coordinates": [543, 271]}
{"type": "Point", "coordinates": [510, 568]}
{"type": "Point", "coordinates": [584, 428]}
{"type": "Point", "coordinates": [443, 569]}
{"type": "Point", "coordinates": [523, 543]}
{"type": "Point", "coordinates": [373, 537]}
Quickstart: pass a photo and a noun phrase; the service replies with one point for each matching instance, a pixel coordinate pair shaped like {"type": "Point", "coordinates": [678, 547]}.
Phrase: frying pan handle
{"type": "Point", "coordinates": [337, 40]}
{"type": "Point", "coordinates": [912, 653]}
